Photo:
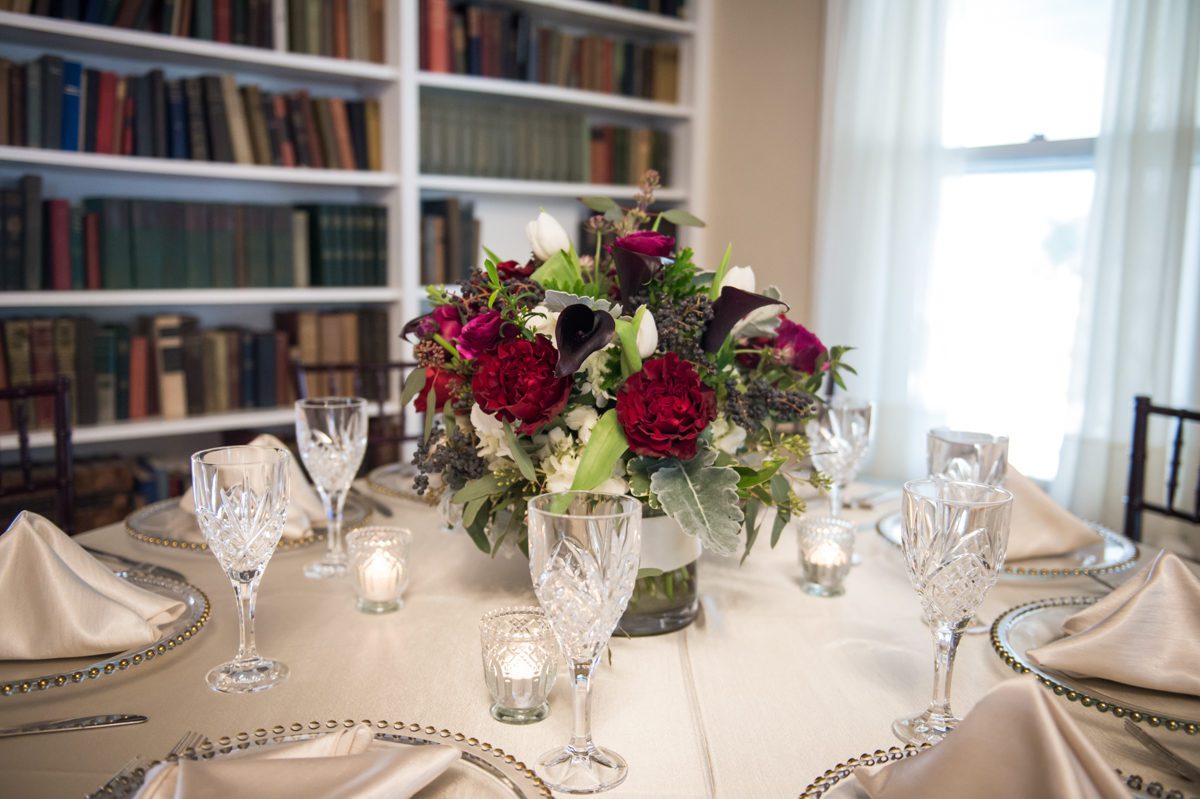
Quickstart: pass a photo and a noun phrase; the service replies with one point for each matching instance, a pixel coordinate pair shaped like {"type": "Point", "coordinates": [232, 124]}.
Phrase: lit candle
{"type": "Point", "coordinates": [379, 575]}
{"type": "Point", "coordinates": [827, 553]}
{"type": "Point", "coordinates": [521, 668]}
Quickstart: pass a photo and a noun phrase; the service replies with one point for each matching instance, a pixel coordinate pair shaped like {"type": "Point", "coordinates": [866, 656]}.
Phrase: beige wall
{"type": "Point", "coordinates": [764, 111]}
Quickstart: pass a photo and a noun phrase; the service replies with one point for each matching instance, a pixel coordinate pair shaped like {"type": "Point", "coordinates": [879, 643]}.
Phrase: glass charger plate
{"type": "Point", "coordinates": [14, 674]}
{"type": "Point", "coordinates": [396, 480]}
{"type": "Point", "coordinates": [164, 524]}
{"type": "Point", "coordinates": [1038, 623]}
{"type": "Point", "coordinates": [836, 783]}
{"type": "Point", "coordinates": [482, 770]}
{"type": "Point", "coordinates": [1112, 552]}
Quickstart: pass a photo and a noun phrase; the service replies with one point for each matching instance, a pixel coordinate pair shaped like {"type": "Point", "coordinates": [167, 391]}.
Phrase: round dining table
{"type": "Point", "coordinates": [764, 692]}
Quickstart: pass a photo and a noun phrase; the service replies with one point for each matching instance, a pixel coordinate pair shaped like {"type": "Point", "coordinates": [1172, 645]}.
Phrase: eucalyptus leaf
{"type": "Point", "coordinates": [485, 486]}
{"type": "Point", "coordinates": [781, 520]}
{"type": "Point", "coordinates": [478, 532]}
{"type": "Point", "coordinates": [413, 383]}
{"type": "Point", "coordinates": [614, 214]}
{"type": "Point", "coordinates": [702, 499]}
{"type": "Point", "coordinates": [471, 510]}
{"type": "Point", "coordinates": [429, 417]}
{"type": "Point", "coordinates": [600, 204]}
{"type": "Point", "coordinates": [682, 217]}
{"type": "Point", "coordinates": [600, 454]}
{"type": "Point", "coordinates": [752, 509]}
{"type": "Point", "coordinates": [448, 417]}
{"type": "Point", "coordinates": [519, 454]}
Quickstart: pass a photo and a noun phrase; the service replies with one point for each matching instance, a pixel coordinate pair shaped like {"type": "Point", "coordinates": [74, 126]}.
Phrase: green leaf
{"type": "Point", "coordinates": [600, 204]}
{"type": "Point", "coordinates": [413, 383]}
{"type": "Point", "coordinates": [492, 273]}
{"type": "Point", "coordinates": [637, 473]}
{"type": "Point", "coordinates": [520, 455]}
{"type": "Point", "coordinates": [781, 520]}
{"type": "Point", "coordinates": [471, 510]}
{"type": "Point", "coordinates": [752, 477]}
{"type": "Point", "coordinates": [600, 454]}
{"type": "Point", "coordinates": [752, 509]}
{"type": "Point", "coordinates": [429, 416]}
{"type": "Point", "coordinates": [614, 214]}
{"type": "Point", "coordinates": [495, 258]}
{"type": "Point", "coordinates": [450, 348]}
{"type": "Point", "coordinates": [478, 532]}
{"type": "Point", "coordinates": [448, 417]}
{"type": "Point", "coordinates": [648, 572]}
{"type": "Point", "coordinates": [702, 499]}
{"type": "Point", "coordinates": [682, 217]}
{"type": "Point", "coordinates": [485, 486]}
{"type": "Point", "coordinates": [560, 272]}
{"type": "Point", "coordinates": [714, 290]}
{"type": "Point", "coordinates": [631, 362]}
{"type": "Point", "coordinates": [781, 493]}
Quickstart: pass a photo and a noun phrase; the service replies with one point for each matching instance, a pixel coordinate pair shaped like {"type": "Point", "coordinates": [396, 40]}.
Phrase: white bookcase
{"type": "Point", "coordinates": [503, 206]}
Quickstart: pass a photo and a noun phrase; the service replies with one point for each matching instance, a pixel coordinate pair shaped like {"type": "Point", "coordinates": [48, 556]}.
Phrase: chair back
{"type": "Point", "coordinates": [29, 482]}
{"type": "Point", "coordinates": [1135, 496]}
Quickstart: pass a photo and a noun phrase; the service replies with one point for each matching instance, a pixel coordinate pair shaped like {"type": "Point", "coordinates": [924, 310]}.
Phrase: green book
{"type": "Point", "coordinates": [121, 336]}
{"type": "Point", "coordinates": [258, 250]}
{"type": "Point", "coordinates": [116, 249]}
{"type": "Point", "coordinates": [170, 232]}
{"type": "Point", "coordinates": [78, 264]}
{"type": "Point", "coordinates": [197, 240]}
{"type": "Point", "coordinates": [147, 238]}
{"type": "Point", "coordinates": [222, 227]}
{"type": "Point", "coordinates": [282, 254]}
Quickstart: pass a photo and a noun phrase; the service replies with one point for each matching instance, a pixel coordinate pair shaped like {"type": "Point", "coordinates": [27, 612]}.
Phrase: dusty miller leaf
{"type": "Point", "coordinates": [702, 499]}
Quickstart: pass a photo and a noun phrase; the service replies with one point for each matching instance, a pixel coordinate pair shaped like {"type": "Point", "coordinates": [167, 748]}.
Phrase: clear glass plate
{"type": "Point", "coordinates": [482, 770]}
{"type": "Point", "coordinates": [396, 480]}
{"type": "Point", "coordinates": [1039, 623]}
{"type": "Point", "coordinates": [165, 524]}
{"type": "Point", "coordinates": [1112, 552]}
{"type": "Point", "coordinates": [15, 674]}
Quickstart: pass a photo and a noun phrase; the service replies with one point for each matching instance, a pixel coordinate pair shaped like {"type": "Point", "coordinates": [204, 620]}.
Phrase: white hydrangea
{"type": "Point", "coordinates": [593, 370]}
{"type": "Point", "coordinates": [493, 443]}
{"type": "Point", "coordinates": [543, 320]}
{"type": "Point", "coordinates": [582, 420]}
{"type": "Point", "coordinates": [727, 436]}
{"type": "Point", "coordinates": [559, 459]}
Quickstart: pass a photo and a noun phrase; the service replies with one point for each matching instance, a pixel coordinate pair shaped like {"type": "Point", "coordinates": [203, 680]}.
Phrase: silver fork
{"type": "Point", "coordinates": [190, 740]}
{"type": "Point", "coordinates": [1175, 762]}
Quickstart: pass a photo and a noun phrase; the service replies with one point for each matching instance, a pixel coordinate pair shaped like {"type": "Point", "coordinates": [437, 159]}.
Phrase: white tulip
{"type": "Point", "coordinates": [647, 335]}
{"type": "Point", "coordinates": [547, 237]}
{"type": "Point", "coordinates": [740, 277]}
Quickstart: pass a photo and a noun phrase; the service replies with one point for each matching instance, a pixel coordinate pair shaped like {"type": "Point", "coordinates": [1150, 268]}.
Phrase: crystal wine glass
{"type": "Point", "coordinates": [241, 504]}
{"type": "Point", "coordinates": [971, 457]}
{"type": "Point", "coordinates": [331, 433]}
{"type": "Point", "coordinates": [584, 550]}
{"type": "Point", "coordinates": [841, 437]}
{"type": "Point", "coordinates": [954, 540]}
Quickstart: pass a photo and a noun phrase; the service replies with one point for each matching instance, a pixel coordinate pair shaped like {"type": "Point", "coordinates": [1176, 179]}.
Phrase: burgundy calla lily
{"type": "Point", "coordinates": [580, 332]}
{"type": "Point", "coordinates": [731, 307]}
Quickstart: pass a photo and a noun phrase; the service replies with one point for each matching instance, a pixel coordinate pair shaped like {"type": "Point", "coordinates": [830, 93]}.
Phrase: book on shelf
{"type": "Point", "coordinates": [450, 244]}
{"type": "Point", "coordinates": [476, 39]}
{"type": "Point", "coordinates": [105, 491]}
{"type": "Point", "coordinates": [245, 22]}
{"type": "Point", "coordinates": [166, 365]}
{"type": "Point", "coordinates": [62, 105]}
{"type": "Point", "coordinates": [347, 29]}
{"type": "Point", "coordinates": [503, 140]}
{"type": "Point", "coordinates": [127, 243]}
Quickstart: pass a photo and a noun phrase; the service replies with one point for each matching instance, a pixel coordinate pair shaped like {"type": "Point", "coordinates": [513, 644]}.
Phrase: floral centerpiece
{"type": "Point", "coordinates": [625, 370]}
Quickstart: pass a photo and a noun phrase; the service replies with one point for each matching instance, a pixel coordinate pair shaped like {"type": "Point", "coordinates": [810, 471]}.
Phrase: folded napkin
{"type": "Point", "coordinates": [1145, 633]}
{"type": "Point", "coordinates": [340, 765]}
{"type": "Point", "coordinates": [60, 602]}
{"type": "Point", "coordinates": [1040, 527]}
{"type": "Point", "coordinates": [305, 505]}
{"type": "Point", "coordinates": [1017, 741]}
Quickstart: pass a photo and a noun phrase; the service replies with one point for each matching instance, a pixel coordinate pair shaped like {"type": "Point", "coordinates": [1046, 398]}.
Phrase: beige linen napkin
{"type": "Point", "coordinates": [305, 506]}
{"type": "Point", "coordinates": [341, 765]}
{"type": "Point", "coordinates": [1017, 741]}
{"type": "Point", "coordinates": [1145, 633]}
{"type": "Point", "coordinates": [1040, 527]}
{"type": "Point", "coordinates": [60, 602]}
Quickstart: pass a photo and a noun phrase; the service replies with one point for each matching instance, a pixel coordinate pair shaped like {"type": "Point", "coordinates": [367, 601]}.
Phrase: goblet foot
{"type": "Point", "coordinates": [327, 568]}
{"type": "Point", "coordinates": [578, 771]}
{"type": "Point", "coordinates": [927, 727]}
{"type": "Point", "coordinates": [247, 676]}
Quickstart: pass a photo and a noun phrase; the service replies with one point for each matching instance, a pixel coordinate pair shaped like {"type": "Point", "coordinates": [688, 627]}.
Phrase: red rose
{"type": "Point", "coordinates": [511, 269]}
{"type": "Point", "coordinates": [444, 384]}
{"type": "Point", "coordinates": [797, 346]}
{"type": "Point", "coordinates": [447, 320]}
{"type": "Point", "coordinates": [515, 382]}
{"type": "Point", "coordinates": [664, 408]}
{"type": "Point", "coordinates": [480, 334]}
{"type": "Point", "coordinates": [647, 242]}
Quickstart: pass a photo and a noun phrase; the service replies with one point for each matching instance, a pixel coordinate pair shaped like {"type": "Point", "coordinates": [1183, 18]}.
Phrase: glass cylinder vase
{"type": "Point", "coordinates": [667, 599]}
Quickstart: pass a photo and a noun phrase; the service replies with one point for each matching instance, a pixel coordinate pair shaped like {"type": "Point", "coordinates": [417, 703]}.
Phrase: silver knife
{"type": "Point", "coordinates": [137, 565]}
{"type": "Point", "coordinates": [1181, 766]}
{"type": "Point", "coordinates": [84, 723]}
{"type": "Point", "coordinates": [378, 506]}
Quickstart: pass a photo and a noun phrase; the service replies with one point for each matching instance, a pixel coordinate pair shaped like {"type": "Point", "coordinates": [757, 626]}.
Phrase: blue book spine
{"type": "Point", "coordinates": [177, 113]}
{"type": "Point", "coordinates": [72, 86]}
{"type": "Point", "coordinates": [94, 12]}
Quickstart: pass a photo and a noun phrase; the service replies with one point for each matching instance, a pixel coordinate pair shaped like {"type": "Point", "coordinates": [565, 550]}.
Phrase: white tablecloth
{"type": "Point", "coordinates": [765, 692]}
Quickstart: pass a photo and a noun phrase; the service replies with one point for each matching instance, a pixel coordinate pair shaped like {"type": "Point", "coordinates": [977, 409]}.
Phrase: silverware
{"type": "Point", "coordinates": [1165, 755]}
{"type": "Point", "coordinates": [375, 504]}
{"type": "Point", "coordinates": [870, 500]}
{"type": "Point", "coordinates": [189, 740]}
{"type": "Point", "coordinates": [1102, 581]}
{"type": "Point", "coordinates": [83, 723]}
{"type": "Point", "coordinates": [137, 565]}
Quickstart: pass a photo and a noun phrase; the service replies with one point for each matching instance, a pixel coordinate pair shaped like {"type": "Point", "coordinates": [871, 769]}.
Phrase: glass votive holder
{"type": "Point", "coordinates": [379, 566]}
{"type": "Point", "coordinates": [826, 551]}
{"type": "Point", "coordinates": [520, 662]}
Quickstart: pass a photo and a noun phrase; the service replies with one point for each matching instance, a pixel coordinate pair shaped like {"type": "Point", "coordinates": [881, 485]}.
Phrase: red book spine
{"type": "Point", "coordinates": [106, 98]}
{"type": "Point", "coordinates": [439, 36]}
{"type": "Point", "coordinates": [139, 364]}
{"type": "Point", "coordinates": [91, 250]}
{"type": "Point", "coordinates": [341, 29]}
{"type": "Point", "coordinates": [58, 236]}
{"type": "Point", "coordinates": [223, 20]}
{"type": "Point", "coordinates": [287, 148]}
{"type": "Point", "coordinates": [127, 127]}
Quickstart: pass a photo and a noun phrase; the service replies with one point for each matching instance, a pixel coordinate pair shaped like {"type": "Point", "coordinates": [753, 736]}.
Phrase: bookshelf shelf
{"type": "Point", "coordinates": [554, 94]}
{"type": "Point", "coordinates": [178, 168]}
{"type": "Point", "coordinates": [612, 16]}
{"type": "Point", "coordinates": [82, 37]}
{"type": "Point", "coordinates": [198, 297]}
{"type": "Point", "coordinates": [157, 427]}
{"type": "Point", "coordinates": [535, 188]}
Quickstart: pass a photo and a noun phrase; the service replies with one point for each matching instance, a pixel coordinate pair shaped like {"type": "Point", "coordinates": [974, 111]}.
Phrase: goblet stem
{"type": "Point", "coordinates": [945, 639]}
{"type": "Point", "coordinates": [835, 499]}
{"type": "Point", "coordinates": [247, 595]}
{"type": "Point", "coordinates": [334, 503]}
{"type": "Point", "coordinates": [581, 732]}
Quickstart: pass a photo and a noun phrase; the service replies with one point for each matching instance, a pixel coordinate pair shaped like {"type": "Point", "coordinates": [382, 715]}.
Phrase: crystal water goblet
{"type": "Point", "coordinates": [954, 540]}
{"type": "Point", "coordinates": [841, 435]}
{"type": "Point", "coordinates": [965, 456]}
{"type": "Point", "coordinates": [584, 552]}
{"type": "Point", "coordinates": [242, 498]}
{"type": "Point", "coordinates": [331, 433]}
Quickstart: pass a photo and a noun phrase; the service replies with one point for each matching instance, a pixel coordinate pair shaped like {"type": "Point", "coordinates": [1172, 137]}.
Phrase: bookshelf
{"type": "Point", "coordinates": [502, 205]}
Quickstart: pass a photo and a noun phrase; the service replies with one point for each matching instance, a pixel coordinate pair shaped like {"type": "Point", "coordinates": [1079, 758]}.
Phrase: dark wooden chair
{"type": "Point", "coordinates": [29, 480]}
{"type": "Point", "coordinates": [1135, 496]}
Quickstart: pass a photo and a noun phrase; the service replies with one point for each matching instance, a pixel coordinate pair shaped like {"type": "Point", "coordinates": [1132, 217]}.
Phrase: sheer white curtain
{"type": "Point", "coordinates": [1137, 331]}
{"type": "Point", "coordinates": [881, 166]}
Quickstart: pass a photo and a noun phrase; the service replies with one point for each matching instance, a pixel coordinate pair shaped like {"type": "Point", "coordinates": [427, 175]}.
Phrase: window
{"type": "Point", "coordinates": [1022, 100]}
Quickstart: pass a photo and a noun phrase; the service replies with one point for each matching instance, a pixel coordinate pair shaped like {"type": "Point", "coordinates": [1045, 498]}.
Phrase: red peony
{"type": "Point", "coordinates": [798, 346]}
{"type": "Point", "coordinates": [511, 269]}
{"type": "Point", "coordinates": [647, 242]}
{"type": "Point", "coordinates": [515, 382]}
{"type": "Point", "coordinates": [444, 384]}
{"type": "Point", "coordinates": [664, 408]}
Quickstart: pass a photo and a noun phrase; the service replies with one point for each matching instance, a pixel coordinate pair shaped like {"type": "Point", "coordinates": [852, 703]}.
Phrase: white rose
{"type": "Point", "coordinates": [647, 335]}
{"type": "Point", "coordinates": [547, 237]}
{"type": "Point", "coordinates": [740, 277]}
{"type": "Point", "coordinates": [543, 320]}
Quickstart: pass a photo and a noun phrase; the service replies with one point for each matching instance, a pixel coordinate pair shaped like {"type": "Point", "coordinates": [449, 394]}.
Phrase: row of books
{"type": "Point", "coordinates": [472, 39]}
{"type": "Point", "coordinates": [450, 243]}
{"type": "Point", "coordinates": [167, 366]}
{"type": "Point", "coordinates": [352, 29]}
{"type": "Point", "coordinates": [61, 105]}
{"type": "Point", "coordinates": [120, 243]}
{"type": "Point", "coordinates": [668, 8]}
{"type": "Point", "coordinates": [503, 140]}
{"type": "Point", "coordinates": [105, 492]}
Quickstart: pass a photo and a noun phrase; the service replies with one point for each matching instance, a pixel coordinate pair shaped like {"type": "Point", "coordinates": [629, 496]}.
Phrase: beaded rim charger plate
{"type": "Point", "coordinates": [1038, 623]}
{"type": "Point", "coordinates": [84, 670]}
{"type": "Point", "coordinates": [396, 480]}
{"type": "Point", "coordinates": [835, 782]}
{"type": "Point", "coordinates": [165, 524]}
{"type": "Point", "coordinates": [482, 769]}
{"type": "Point", "coordinates": [1112, 552]}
